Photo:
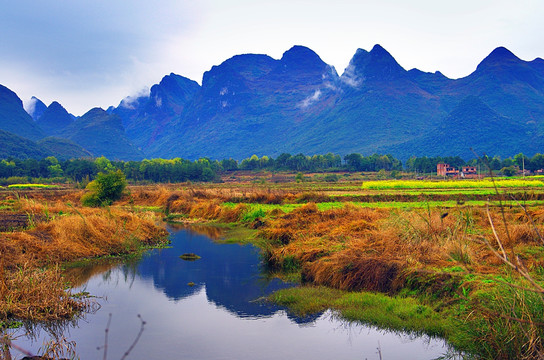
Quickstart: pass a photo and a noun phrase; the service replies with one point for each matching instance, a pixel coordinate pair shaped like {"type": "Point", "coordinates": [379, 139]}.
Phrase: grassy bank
{"type": "Point", "coordinates": [40, 234]}
{"type": "Point", "coordinates": [469, 272]}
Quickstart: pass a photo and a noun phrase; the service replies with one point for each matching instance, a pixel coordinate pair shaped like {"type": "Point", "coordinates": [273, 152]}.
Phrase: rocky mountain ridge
{"type": "Point", "coordinates": [254, 104]}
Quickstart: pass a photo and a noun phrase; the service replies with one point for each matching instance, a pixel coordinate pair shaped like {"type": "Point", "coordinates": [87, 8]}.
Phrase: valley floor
{"type": "Point", "coordinates": [460, 260]}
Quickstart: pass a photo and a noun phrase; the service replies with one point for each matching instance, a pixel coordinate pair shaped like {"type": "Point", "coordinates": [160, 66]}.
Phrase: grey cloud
{"type": "Point", "coordinates": [86, 36]}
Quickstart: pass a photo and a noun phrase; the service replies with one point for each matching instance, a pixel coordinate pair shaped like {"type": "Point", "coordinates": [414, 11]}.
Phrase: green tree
{"type": "Point", "coordinates": [103, 164]}
{"type": "Point", "coordinates": [299, 177]}
{"type": "Point", "coordinates": [537, 162]}
{"type": "Point", "coordinates": [522, 161]}
{"type": "Point", "coordinates": [508, 171]}
{"type": "Point", "coordinates": [54, 170]}
{"type": "Point", "coordinates": [105, 189]}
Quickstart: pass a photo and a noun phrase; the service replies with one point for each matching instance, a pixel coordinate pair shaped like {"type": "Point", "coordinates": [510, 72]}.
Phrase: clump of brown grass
{"type": "Point", "coordinates": [206, 209]}
{"type": "Point", "coordinates": [355, 248]}
{"type": "Point", "coordinates": [353, 271]}
{"type": "Point", "coordinates": [149, 196]}
{"type": "Point", "coordinates": [80, 233]}
{"type": "Point", "coordinates": [38, 294]}
{"type": "Point", "coordinates": [307, 234]}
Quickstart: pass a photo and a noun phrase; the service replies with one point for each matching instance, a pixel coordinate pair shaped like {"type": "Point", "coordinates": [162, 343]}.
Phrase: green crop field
{"type": "Point", "coordinates": [32, 186]}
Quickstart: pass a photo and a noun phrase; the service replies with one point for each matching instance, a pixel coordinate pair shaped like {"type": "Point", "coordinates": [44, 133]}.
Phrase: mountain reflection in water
{"type": "Point", "coordinates": [231, 275]}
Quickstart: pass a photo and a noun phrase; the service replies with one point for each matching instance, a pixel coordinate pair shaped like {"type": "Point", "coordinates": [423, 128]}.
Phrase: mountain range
{"type": "Point", "coordinates": [254, 104]}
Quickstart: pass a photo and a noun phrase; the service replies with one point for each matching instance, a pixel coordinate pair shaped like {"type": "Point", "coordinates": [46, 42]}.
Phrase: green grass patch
{"type": "Point", "coordinates": [32, 186]}
{"type": "Point", "coordinates": [253, 214]}
{"type": "Point", "coordinates": [141, 208]}
{"type": "Point", "coordinates": [242, 235]}
{"type": "Point", "coordinates": [397, 313]}
{"type": "Point", "coordinates": [262, 210]}
{"type": "Point", "coordinates": [451, 184]}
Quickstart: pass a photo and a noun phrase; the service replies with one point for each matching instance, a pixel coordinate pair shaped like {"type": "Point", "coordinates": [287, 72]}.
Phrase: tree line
{"type": "Point", "coordinates": [180, 170]}
{"type": "Point", "coordinates": [85, 170]}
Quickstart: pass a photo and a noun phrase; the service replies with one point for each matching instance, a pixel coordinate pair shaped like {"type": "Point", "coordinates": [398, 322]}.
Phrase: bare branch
{"type": "Point", "coordinates": [495, 232]}
{"type": "Point", "coordinates": [142, 325]}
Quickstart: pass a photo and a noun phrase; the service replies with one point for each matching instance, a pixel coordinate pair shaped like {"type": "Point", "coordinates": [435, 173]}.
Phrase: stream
{"type": "Point", "coordinates": [209, 309]}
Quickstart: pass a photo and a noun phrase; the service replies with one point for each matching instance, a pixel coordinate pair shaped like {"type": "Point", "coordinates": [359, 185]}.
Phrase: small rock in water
{"type": "Point", "coordinates": [189, 257]}
{"type": "Point", "coordinates": [191, 283]}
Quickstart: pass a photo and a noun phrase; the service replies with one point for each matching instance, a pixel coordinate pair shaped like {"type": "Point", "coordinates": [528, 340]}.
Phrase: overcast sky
{"type": "Point", "coordinates": [88, 53]}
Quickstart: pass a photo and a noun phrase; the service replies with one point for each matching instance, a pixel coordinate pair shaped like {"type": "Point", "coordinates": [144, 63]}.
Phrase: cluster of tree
{"type": "Point", "coordinates": [376, 162]}
{"type": "Point", "coordinates": [427, 165]}
{"type": "Point", "coordinates": [156, 170]}
{"type": "Point", "coordinates": [105, 189]}
{"type": "Point", "coordinates": [299, 162]}
{"type": "Point", "coordinates": [178, 170]}
{"type": "Point", "coordinates": [327, 162]}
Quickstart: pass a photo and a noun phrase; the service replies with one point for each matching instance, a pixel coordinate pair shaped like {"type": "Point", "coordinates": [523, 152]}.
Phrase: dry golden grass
{"type": "Point", "coordinates": [38, 294]}
{"type": "Point", "coordinates": [356, 248]}
{"type": "Point", "coordinates": [77, 233]}
{"type": "Point", "coordinates": [58, 233]}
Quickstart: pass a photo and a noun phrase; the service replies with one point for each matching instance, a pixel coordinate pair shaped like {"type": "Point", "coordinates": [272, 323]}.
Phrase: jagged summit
{"type": "Point", "coordinates": [14, 118]}
{"type": "Point", "coordinates": [175, 85]}
{"type": "Point", "coordinates": [97, 111]}
{"type": "Point", "coordinates": [35, 108]}
{"type": "Point", "coordinates": [54, 119]}
{"type": "Point", "coordinates": [376, 65]}
{"type": "Point", "coordinates": [499, 56]}
{"type": "Point", "coordinates": [379, 51]}
{"type": "Point", "coordinates": [502, 53]}
{"type": "Point", "coordinates": [238, 67]}
{"type": "Point", "coordinates": [301, 57]}
{"type": "Point", "coordinates": [56, 106]}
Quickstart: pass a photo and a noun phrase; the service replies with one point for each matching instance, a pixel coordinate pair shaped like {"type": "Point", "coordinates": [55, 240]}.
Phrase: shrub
{"type": "Point", "coordinates": [330, 178]}
{"type": "Point", "coordinates": [508, 171]}
{"type": "Point", "coordinates": [105, 189]}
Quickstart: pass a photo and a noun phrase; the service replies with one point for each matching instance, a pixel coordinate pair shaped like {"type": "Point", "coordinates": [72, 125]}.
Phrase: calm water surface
{"type": "Point", "coordinates": [217, 318]}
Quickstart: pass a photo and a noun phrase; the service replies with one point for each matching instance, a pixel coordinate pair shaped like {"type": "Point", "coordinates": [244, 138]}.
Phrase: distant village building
{"type": "Point", "coordinates": [446, 170]}
{"type": "Point", "coordinates": [469, 172]}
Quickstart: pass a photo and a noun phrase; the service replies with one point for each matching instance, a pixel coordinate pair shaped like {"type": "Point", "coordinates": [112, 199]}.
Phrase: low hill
{"type": "Point", "coordinates": [102, 134]}
{"type": "Point", "coordinates": [63, 149]}
{"type": "Point", "coordinates": [20, 148]}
